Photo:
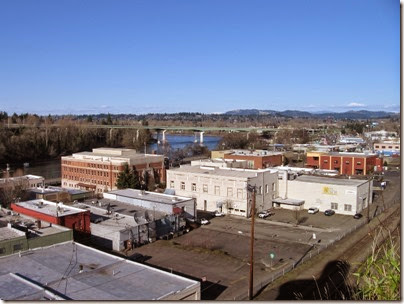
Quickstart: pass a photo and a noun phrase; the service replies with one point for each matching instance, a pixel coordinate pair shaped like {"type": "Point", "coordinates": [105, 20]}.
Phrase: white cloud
{"type": "Point", "coordinates": [355, 105]}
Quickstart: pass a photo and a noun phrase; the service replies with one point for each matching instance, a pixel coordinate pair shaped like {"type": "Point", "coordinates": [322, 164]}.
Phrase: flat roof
{"type": "Point", "coordinates": [330, 180]}
{"type": "Point", "coordinates": [160, 198]}
{"type": "Point", "coordinates": [227, 172]}
{"type": "Point", "coordinates": [351, 154]}
{"type": "Point", "coordinates": [8, 233]}
{"type": "Point", "coordinates": [116, 207]}
{"type": "Point", "coordinates": [254, 153]}
{"type": "Point", "coordinates": [49, 208]}
{"type": "Point", "coordinates": [103, 277]}
{"type": "Point", "coordinates": [29, 222]}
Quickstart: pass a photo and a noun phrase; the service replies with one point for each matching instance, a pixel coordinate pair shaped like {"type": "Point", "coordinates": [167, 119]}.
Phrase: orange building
{"type": "Point", "coordinates": [345, 163]}
{"type": "Point", "coordinates": [98, 170]}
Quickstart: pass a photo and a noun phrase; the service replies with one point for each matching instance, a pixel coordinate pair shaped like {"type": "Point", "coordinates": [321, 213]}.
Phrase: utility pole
{"type": "Point", "coordinates": [251, 189]}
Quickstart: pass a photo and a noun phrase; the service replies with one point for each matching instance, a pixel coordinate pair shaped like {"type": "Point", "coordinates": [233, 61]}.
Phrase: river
{"type": "Point", "coordinates": [51, 169]}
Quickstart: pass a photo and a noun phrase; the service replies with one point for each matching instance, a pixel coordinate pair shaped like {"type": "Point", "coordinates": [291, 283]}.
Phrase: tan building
{"type": "Point", "coordinates": [256, 159]}
{"type": "Point", "coordinates": [98, 170]}
{"type": "Point", "coordinates": [224, 189]}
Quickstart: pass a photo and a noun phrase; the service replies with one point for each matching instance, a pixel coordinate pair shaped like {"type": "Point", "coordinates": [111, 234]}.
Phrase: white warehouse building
{"type": "Point", "coordinates": [344, 196]}
{"type": "Point", "coordinates": [224, 189]}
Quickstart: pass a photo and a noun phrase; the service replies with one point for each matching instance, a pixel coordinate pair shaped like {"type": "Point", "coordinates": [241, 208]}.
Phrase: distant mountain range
{"type": "Point", "coordinates": [302, 114]}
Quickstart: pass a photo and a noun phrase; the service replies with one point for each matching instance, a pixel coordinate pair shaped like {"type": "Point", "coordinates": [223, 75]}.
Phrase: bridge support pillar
{"type": "Point", "coordinates": [201, 137]}
{"type": "Point", "coordinates": [164, 136]}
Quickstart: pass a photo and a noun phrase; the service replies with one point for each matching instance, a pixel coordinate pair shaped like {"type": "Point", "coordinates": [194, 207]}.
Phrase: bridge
{"type": "Point", "coordinates": [164, 129]}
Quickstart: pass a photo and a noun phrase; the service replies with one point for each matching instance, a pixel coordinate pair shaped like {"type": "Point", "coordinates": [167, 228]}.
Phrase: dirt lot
{"type": "Point", "coordinates": [217, 254]}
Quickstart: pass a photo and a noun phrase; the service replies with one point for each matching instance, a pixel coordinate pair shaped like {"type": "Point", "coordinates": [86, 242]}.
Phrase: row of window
{"type": "Point", "coordinates": [347, 207]}
{"type": "Point", "coordinates": [104, 174]}
{"type": "Point", "coordinates": [217, 189]}
{"type": "Point", "coordinates": [85, 171]}
{"type": "Point", "coordinates": [347, 162]}
{"type": "Point", "coordinates": [384, 147]}
{"type": "Point", "coordinates": [86, 180]}
{"type": "Point", "coordinates": [89, 165]}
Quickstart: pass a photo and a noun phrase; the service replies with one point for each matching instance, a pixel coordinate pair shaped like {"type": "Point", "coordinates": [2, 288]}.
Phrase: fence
{"type": "Point", "coordinates": [312, 253]}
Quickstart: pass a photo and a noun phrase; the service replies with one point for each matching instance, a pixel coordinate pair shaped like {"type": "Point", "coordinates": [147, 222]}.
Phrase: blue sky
{"type": "Point", "coordinates": [130, 56]}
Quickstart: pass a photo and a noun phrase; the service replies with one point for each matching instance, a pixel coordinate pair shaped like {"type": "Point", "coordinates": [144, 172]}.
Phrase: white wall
{"type": "Point", "coordinates": [321, 195]}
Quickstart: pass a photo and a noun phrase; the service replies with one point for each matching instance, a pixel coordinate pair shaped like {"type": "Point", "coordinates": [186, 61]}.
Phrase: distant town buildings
{"type": "Point", "coordinates": [256, 159]}
{"type": "Point", "coordinates": [224, 189]}
{"type": "Point", "coordinates": [58, 194]}
{"type": "Point", "coordinates": [351, 140]}
{"type": "Point", "coordinates": [98, 170]}
{"type": "Point", "coordinates": [381, 135]}
{"type": "Point", "coordinates": [345, 163]}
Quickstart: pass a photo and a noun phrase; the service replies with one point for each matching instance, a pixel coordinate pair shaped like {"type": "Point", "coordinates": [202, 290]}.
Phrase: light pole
{"type": "Point", "coordinates": [251, 189]}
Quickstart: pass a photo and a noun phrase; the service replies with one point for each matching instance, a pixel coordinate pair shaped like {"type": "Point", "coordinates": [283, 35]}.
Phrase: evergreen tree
{"type": "Point", "coordinates": [128, 178]}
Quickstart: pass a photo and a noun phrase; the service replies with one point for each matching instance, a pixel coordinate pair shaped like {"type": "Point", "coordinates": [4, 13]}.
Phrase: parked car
{"type": "Point", "coordinates": [204, 221]}
{"type": "Point", "coordinates": [329, 212]}
{"type": "Point", "coordinates": [313, 210]}
{"type": "Point", "coordinates": [264, 214]}
{"type": "Point", "coordinates": [218, 213]}
{"type": "Point", "coordinates": [357, 216]}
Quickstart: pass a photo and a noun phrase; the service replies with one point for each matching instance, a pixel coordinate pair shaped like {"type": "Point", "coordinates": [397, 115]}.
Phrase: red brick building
{"type": "Point", "coordinates": [55, 213]}
{"type": "Point", "coordinates": [345, 163]}
{"type": "Point", "coordinates": [256, 159]}
{"type": "Point", "coordinates": [98, 170]}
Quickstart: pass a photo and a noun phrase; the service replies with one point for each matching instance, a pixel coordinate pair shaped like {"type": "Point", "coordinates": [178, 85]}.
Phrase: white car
{"type": "Point", "coordinates": [204, 221]}
{"type": "Point", "coordinates": [264, 214]}
{"type": "Point", "coordinates": [313, 210]}
{"type": "Point", "coordinates": [218, 213]}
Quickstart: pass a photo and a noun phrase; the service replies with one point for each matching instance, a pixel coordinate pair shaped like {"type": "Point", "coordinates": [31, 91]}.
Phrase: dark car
{"type": "Point", "coordinates": [329, 212]}
{"type": "Point", "coordinates": [357, 216]}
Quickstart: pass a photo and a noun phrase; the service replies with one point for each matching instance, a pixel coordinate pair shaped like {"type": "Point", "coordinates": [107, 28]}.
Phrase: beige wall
{"type": "Point", "coordinates": [321, 195]}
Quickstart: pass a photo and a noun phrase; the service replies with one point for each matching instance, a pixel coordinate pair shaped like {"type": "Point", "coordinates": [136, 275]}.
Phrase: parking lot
{"type": "Point", "coordinates": [217, 254]}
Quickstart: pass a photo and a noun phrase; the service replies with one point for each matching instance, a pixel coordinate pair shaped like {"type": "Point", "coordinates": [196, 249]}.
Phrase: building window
{"type": "Point", "coordinates": [17, 247]}
{"type": "Point", "coordinates": [172, 184]}
{"type": "Point", "coordinates": [266, 188]}
{"type": "Point", "coordinates": [273, 187]}
{"type": "Point", "coordinates": [205, 188]}
{"type": "Point", "coordinates": [334, 206]}
{"type": "Point", "coordinates": [377, 146]}
{"type": "Point", "coordinates": [390, 147]}
{"type": "Point", "coordinates": [250, 164]}
{"type": "Point", "coordinates": [325, 161]}
{"type": "Point", "coordinates": [315, 158]}
{"type": "Point", "coordinates": [260, 190]}
{"type": "Point", "coordinates": [239, 193]}
{"type": "Point", "coordinates": [383, 147]}
{"type": "Point", "coordinates": [193, 187]}
{"type": "Point", "coordinates": [347, 207]}
{"type": "Point", "coordinates": [229, 192]}
{"type": "Point", "coordinates": [2, 250]}
{"type": "Point", "coordinates": [358, 163]}
{"type": "Point", "coordinates": [217, 190]}
{"type": "Point", "coordinates": [182, 186]}
{"type": "Point", "coordinates": [347, 162]}
{"type": "Point", "coordinates": [335, 161]}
